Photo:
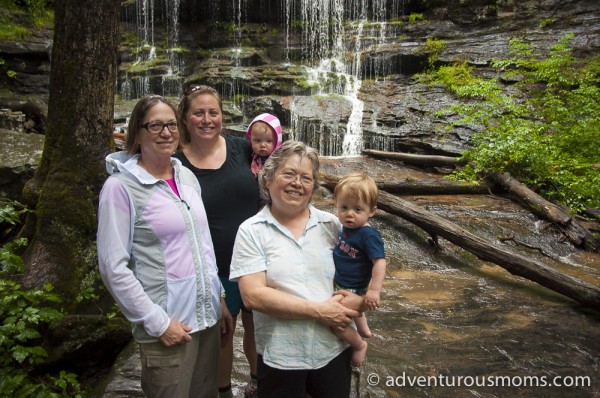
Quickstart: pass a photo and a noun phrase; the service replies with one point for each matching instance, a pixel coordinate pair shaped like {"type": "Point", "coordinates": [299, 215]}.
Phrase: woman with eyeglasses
{"type": "Point", "coordinates": [283, 263]}
{"type": "Point", "coordinates": [221, 163]}
{"type": "Point", "coordinates": [157, 259]}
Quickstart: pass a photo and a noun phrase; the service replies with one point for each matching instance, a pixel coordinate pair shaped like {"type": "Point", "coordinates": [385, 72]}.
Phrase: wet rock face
{"type": "Point", "coordinates": [263, 57]}
{"type": "Point", "coordinates": [398, 112]}
{"type": "Point", "coordinates": [10, 120]}
{"type": "Point", "coordinates": [19, 156]}
{"type": "Point", "coordinates": [28, 63]}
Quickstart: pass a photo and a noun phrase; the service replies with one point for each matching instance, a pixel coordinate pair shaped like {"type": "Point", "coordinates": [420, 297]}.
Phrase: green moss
{"type": "Point", "coordinates": [131, 39]}
{"type": "Point", "coordinates": [303, 83]}
{"type": "Point", "coordinates": [223, 26]}
{"type": "Point", "coordinates": [18, 21]}
{"type": "Point", "coordinates": [238, 98]}
{"type": "Point", "coordinates": [546, 22]}
{"type": "Point", "coordinates": [144, 66]}
{"type": "Point", "coordinates": [44, 20]}
{"type": "Point", "coordinates": [414, 17]}
{"type": "Point", "coordinates": [299, 24]}
{"type": "Point", "coordinates": [11, 31]}
{"type": "Point", "coordinates": [179, 50]}
{"type": "Point", "coordinates": [203, 53]}
{"type": "Point", "coordinates": [329, 97]}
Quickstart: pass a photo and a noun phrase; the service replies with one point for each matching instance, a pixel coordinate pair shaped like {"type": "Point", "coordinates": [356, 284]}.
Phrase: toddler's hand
{"type": "Point", "coordinates": [372, 299]}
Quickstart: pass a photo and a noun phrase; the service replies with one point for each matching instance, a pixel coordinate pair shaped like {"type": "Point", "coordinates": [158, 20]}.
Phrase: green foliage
{"type": "Point", "coordinates": [34, 13]}
{"type": "Point", "coordinates": [414, 17]}
{"type": "Point", "coordinates": [24, 314]}
{"type": "Point", "coordinates": [433, 47]}
{"type": "Point", "coordinates": [145, 66]}
{"type": "Point", "coordinates": [12, 214]}
{"type": "Point", "coordinates": [9, 30]}
{"type": "Point", "coordinates": [131, 39]}
{"type": "Point", "coordinates": [40, 12]}
{"type": "Point", "coordinates": [299, 24]}
{"type": "Point", "coordinates": [546, 134]}
{"type": "Point", "coordinates": [546, 22]}
{"type": "Point", "coordinates": [91, 290]}
{"type": "Point", "coordinates": [11, 73]}
{"type": "Point", "coordinates": [10, 262]}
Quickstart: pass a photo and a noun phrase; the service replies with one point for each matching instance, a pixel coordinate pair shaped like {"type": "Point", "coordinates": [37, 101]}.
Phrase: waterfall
{"type": "Point", "coordinates": [332, 33]}
{"type": "Point", "coordinates": [236, 92]}
{"type": "Point", "coordinates": [352, 145]}
{"type": "Point", "coordinates": [146, 22]}
{"type": "Point", "coordinates": [155, 71]}
{"type": "Point", "coordinates": [334, 43]}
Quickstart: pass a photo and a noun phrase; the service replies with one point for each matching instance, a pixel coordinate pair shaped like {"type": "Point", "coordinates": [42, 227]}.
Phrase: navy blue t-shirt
{"type": "Point", "coordinates": [354, 254]}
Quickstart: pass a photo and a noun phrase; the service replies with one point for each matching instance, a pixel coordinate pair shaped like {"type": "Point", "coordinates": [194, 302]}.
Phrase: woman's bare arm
{"type": "Point", "coordinates": [258, 296]}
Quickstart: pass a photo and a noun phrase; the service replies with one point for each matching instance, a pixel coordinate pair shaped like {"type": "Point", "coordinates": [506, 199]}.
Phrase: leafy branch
{"type": "Point", "coordinates": [543, 129]}
{"type": "Point", "coordinates": [24, 314]}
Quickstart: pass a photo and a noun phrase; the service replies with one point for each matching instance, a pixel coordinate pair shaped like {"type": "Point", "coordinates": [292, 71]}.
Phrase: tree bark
{"type": "Point", "coordinates": [584, 293]}
{"type": "Point", "coordinates": [417, 160]}
{"type": "Point", "coordinates": [441, 187]}
{"type": "Point", "coordinates": [576, 233]}
{"type": "Point", "coordinates": [78, 137]}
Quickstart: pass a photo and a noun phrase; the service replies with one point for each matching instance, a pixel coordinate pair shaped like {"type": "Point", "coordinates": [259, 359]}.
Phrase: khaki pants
{"type": "Point", "coordinates": [182, 371]}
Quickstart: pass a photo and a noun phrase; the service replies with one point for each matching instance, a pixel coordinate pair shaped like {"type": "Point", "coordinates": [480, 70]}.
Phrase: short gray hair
{"type": "Point", "coordinates": [280, 156]}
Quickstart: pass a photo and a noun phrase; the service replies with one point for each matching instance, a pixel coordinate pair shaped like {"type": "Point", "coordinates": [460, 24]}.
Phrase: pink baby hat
{"type": "Point", "coordinates": [272, 121]}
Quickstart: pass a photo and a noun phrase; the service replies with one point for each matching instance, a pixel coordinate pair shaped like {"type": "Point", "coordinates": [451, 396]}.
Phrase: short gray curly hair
{"type": "Point", "coordinates": [280, 156]}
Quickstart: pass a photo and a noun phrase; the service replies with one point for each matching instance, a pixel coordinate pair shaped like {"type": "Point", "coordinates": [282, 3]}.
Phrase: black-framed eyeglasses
{"type": "Point", "coordinates": [156, 126]}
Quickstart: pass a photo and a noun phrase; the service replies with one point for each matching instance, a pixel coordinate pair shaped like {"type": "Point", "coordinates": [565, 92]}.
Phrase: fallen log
{"type": "Point", "coordinates": [417, 160]}
{"type": "Point", "coordinates": [433, 187]}
{"type": "Point", "coordinates": [420, 187]}
{"type": "Point", "coordinates": [582, 292]}
{"type": "Point", "coordinates": [574, 231]}
{"type": "Point", "coordinates": [580, 236]}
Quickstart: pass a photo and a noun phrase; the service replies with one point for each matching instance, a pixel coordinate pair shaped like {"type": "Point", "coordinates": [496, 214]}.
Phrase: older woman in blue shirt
{"type": "Point", "coordinates": [283, 262]}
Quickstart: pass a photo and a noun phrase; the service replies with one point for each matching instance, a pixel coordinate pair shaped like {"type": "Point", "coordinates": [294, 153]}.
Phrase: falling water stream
{"type": "Point", "coordinates": [136, 85]}
{"type": "Point", "coordinates": [333, 65]}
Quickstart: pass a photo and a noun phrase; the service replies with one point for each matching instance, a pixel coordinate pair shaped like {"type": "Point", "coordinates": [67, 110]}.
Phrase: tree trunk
{"type": "Point", "coordinates": [576, 233]}
{"type": "Point", "coordinates": [78, 137]}
{"type": "Point", "coordinates": [432, 187]}
{"type": "Point", "coordinates": [586, 294]}
{"type": "Point", "coordinates": [417, 160]}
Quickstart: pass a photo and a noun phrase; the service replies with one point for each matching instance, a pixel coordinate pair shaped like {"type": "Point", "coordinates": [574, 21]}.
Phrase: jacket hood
{"type": "Point", "coordinates": [120, 162]}
{"type": "Point", "coordinates": [124, 162]}
{"type": "Point", "coordinates": [272, 121]}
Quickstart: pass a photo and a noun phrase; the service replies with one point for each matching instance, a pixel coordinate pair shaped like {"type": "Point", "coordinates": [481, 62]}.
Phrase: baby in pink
{"type": "Point", "coordinates": [265, 135]}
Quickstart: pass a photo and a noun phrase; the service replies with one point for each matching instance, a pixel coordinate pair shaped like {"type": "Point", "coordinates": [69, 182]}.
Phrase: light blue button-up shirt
{"type": "Point", "coordinates": [302, 267]}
